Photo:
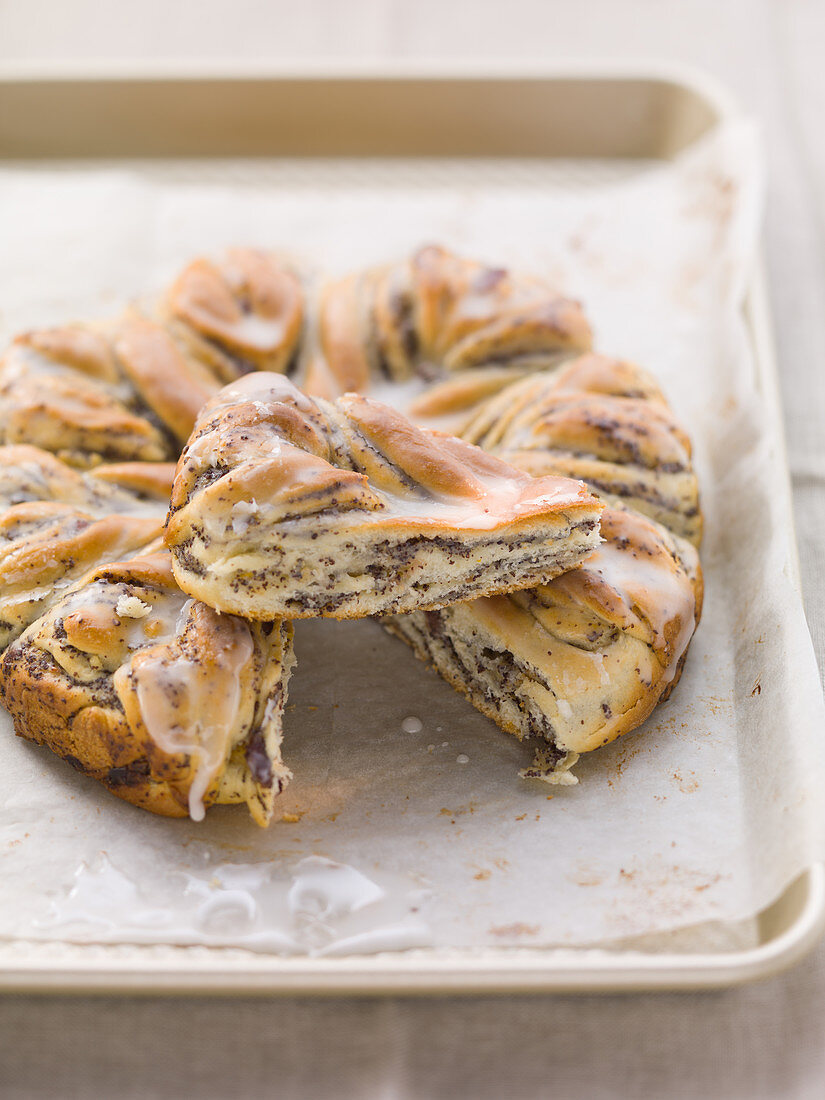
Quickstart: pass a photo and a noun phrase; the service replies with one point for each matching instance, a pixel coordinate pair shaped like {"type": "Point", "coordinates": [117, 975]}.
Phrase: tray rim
{"type": "Point", "coordinates": [490, 971]}
{"type": "Point", "coordinates": [186, 69]}
{"type": "Point", "coordinates": [705, 89]}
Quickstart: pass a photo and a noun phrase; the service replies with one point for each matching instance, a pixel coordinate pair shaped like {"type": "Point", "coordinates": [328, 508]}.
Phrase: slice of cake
{"type": "Point", "coordinates": [286, 506]}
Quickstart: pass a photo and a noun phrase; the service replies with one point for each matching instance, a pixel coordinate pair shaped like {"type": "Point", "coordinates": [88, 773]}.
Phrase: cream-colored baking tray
{"type": "Point", "coordinates": [583, 111]}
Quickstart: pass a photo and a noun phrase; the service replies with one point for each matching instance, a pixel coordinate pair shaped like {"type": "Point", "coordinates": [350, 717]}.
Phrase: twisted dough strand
{"type": "Point", "coordinates": [131, 389]}
{"type": "Point", "coordinates": [167, 703]}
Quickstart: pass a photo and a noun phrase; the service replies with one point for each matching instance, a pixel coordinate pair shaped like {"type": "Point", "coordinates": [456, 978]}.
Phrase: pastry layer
{"type": "Point", "coordinates": [288, 506]}
{"type": "Point", "coordinates": [57, 523]}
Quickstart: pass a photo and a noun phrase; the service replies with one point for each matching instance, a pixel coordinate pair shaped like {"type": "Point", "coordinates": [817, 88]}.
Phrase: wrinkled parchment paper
{"type": "Point", "coordinates": [704, 814]}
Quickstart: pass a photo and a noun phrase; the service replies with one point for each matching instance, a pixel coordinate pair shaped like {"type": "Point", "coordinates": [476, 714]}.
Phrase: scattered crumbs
{"type": "Point", "coordinates": [412, 725]}
{"type": "Point", "coordinates": [521, 817]}
{"type": "Point", "coordinates": [538, 817]}
{"type": "Point", "coordinates": [438, 729]}
{"type": "Point", "coordinates": [445, 812]}
{"type": "Point", "coordinates": [331, 817]}
{"type": "Point", "coordinates": [430, 748]}
{"type": "Point", "coordinates": [549, 796]}
{"type": "Point", "coordinates": [517, 929]}
{"type": "Point", "coordinates": [757, 687]}
{"type": "Point", "coordinates": [291, 819]}
{"type": "Point", "coordinates": [707, 885]}
{"type": "Point", "coordinates": [312, 708]}
{"type": "Point", "coordinates": [587, 878]}
{"type": "Point", "coordinates": [130, 607]}
{"type": "Point", "coordinates": [462, 758]}
{"type": "Point", "coordinates": [686, 786]}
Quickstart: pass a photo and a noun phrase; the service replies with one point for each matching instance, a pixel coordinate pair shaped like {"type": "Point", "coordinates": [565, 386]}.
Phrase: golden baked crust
{"type": "Point", "coordinates": [57, 523]}
{"type": "Point", "coordinates": [130, 389]}
{"type": "Point", "coordinates": [241, 314]}
{"type": "Point", "coordinates": [30, 473]}
{"type": "Point", "coordinates": [436, 314]}
{"type": "Point", "coordinates": [602, 420]}
{"type": "Point", "coordinates": [167, 703]}
{"type": "Point", "coordinates": [288, 506]}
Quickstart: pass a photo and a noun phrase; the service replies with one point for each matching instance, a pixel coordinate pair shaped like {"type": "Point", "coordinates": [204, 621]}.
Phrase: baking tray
{"type": "Point", "coordinates": [579, 111]}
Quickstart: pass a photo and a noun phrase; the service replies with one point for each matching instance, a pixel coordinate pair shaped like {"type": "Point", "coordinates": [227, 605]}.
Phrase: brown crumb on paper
{"type": "Point", "coordinates": [707, 885]}
{"type": "Point", "coordinates": [293, 818]}
{"type": "Point", "coordinates": [686, 786]}
{"type": "Point", "coordinates": [517, 929]}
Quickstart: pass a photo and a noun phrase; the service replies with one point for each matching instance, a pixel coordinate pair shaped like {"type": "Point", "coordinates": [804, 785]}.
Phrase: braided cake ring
{"type": "Point", "coordinates": [288, 506]}
{"type": "Point", "coordinates": [458, 346]}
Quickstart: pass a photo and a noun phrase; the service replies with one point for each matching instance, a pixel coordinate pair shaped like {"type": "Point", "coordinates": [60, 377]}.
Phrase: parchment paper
{"type": "Point", "coordinates": [704, 814]}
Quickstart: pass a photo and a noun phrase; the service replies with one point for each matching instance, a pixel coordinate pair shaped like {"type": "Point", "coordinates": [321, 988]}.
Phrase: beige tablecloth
{"type": "Point", "coordinates": [764, 1041]}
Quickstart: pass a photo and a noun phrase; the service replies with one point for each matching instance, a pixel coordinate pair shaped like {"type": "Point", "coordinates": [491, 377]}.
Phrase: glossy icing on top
{"type": "Point", "coordinates": [189, 700]}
